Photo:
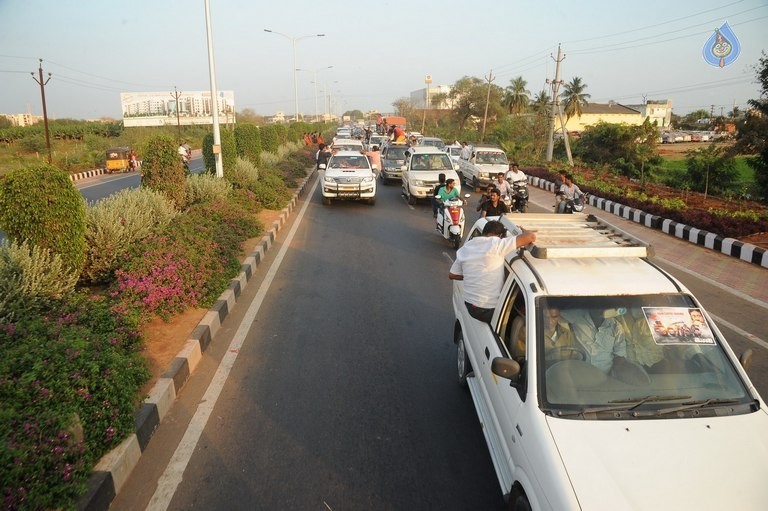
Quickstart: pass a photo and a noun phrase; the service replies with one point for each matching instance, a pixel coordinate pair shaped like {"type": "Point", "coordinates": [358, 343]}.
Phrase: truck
{"type": "Point", "coordinates": [601, 383]}
{"type": "Point", "coordinates": [481, 169]}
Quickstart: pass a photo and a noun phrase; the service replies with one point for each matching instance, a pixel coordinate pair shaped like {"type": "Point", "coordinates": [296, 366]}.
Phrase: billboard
{"type": "Point", "coordinates": [161, 108]}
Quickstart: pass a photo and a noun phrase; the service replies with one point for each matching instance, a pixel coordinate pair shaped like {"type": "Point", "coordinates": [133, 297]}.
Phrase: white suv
{"type": "Point", "coordinates": [349, 175]}
{"type": "Point", "coordinates": [484, 166]}
{"type": "Point", "coordinates": [422, 169]}
{"type": "Point", "coordinates": [601, 383]}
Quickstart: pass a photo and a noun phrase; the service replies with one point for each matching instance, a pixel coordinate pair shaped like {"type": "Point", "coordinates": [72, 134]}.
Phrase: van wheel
{"type": "Point", "coordinates": [519, 503]}
{"type": "Point", "coordinates": [462, 360]}
{"type": "Point", "coordinates": [372, 201]}
{"type": "Point", "coordinates": [326, 201]}
{"type": "Point", "coordinates": [476, 184]}
{"type": "Point", "coordinates": [411, 198]}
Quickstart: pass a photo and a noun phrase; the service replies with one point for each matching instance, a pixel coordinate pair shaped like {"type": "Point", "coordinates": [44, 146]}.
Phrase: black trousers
{"type": "Point", "coordinates": [479, 313]}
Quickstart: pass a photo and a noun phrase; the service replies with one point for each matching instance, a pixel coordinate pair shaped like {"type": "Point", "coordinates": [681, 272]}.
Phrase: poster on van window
{"type": "Point", "coordinates": [175, 108]}
{"type": "Point", "coordinates": [678, 325]}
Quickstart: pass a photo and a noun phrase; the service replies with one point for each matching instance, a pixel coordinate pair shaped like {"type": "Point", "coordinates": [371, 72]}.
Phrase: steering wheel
{"type": "Point", "coordinates": [565, 353]}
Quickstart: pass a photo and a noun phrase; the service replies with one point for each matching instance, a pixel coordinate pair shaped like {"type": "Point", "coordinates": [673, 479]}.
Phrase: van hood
{"type": "Point", "coordinates": [493, 168]}
{"type": "Point", "coordinates": [341, 173]}
{"type": "Point", "coordinates": [702, 463]}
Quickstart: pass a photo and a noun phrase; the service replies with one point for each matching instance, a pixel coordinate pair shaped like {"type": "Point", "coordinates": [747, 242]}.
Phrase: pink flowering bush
{"type": "Point", "coordinates": [187, 264]}
{"type": "Point", "coordinates": [69, 383]}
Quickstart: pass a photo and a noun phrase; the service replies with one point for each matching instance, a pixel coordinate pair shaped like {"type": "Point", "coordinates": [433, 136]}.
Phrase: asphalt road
{"type": "Point", "coordinates": [338, 392]}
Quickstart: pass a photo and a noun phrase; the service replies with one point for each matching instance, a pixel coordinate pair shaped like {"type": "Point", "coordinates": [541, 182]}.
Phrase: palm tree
{"type": "Point", "coordinates": [541, 102]}
{"type": "Point", "coordinates": [516, 96]}
{"type": "Point", "coordinates": [574, 97]}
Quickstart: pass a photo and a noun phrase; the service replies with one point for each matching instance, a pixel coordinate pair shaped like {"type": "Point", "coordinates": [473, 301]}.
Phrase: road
{"type": "Point", "coordinates": [337, 390]}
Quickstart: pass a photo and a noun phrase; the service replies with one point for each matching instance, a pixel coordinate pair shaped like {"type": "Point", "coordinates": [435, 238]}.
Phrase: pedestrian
{"type": "Point", "coordinates": [479, 265]}
{"type": "Point", "coordinates": [322, 155]}
{"type": "Point", "coordinates": [133, 164]}
{"type": "Point", "coordinates": [374, 156]}
{"type": "Point", "coordinates": [466, 151]}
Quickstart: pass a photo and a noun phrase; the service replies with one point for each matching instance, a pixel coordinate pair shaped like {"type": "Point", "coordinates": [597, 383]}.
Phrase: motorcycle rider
{"type": "Point", "coordinates": [514, 174]}
{"type": "Point", "coordinates": [485, 197]}
{"type": "Point", "coordinates": [502, 185]}
{"type": "Point", "coordinates": [568, 191]}
{"type": "Point", "coordinates": [494, 207]}
{"type": "Point", "coordinates": [440, 184]}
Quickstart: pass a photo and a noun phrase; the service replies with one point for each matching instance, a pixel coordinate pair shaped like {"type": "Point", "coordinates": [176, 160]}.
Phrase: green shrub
{"type": "Point", "coordinates": [69, 386]}
{"type": "Point", "coordinates": [209, 160]}
{"type": "Point", "coordinates": [30, 278]}
{"type": "Point", "coordinates": [248, 138]}
{"type": "Point", "coordinates": [271, 190]}
{"type": "Point", "coordinates": [270, 138]}
{"type": "Point", "coordinates": [228, 149]}
{"type": "Point", "coordinates": [114, 224]}
{"type": "Point", "coordinates": [162, 169]}
{"type": "Point", "coordinates": [206, 188]}
{"type": "Point", "coordinates": [41, 204]}
{"type": "Point", "coordinates": [243, 175]}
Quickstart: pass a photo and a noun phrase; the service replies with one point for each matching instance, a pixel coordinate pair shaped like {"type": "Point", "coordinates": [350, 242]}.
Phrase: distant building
{"type": "Point", "coordinates": [659, 111]}
{"type": "Point", "coordinates": [419, 98]}
{"type": "Point", "coordinates": [611, 113]}
{"type": "Point", "coordinates": [23, 119]}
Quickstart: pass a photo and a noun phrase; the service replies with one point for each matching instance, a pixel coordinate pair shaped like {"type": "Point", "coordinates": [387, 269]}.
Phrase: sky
{"type": "Point", "coordinates": [379, 51]}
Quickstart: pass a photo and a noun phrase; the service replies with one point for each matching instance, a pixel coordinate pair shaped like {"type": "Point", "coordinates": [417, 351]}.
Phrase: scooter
{"type": "Point", "coordinates": [450, 220]}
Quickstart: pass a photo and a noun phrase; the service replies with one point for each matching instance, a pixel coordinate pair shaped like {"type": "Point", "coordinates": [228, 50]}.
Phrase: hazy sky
{"type": "Point", "coordinates": [380, 51]}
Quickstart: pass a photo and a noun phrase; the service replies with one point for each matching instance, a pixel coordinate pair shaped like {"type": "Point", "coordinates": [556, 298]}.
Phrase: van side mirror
{"type": "Point", "coordinates": [321, 166]}
{"type": "Point", "coordinates": [455, 166]}
{"type": "Point", "coordinates": [746, 359]}
{"type": "Point", "coordinates": [404, 168]}
{"type": "Point", "coordinates": [506, 368]}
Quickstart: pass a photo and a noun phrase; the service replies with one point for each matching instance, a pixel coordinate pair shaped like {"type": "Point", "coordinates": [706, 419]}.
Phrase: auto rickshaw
{"type": "Point", "coordinates": [118, 159]}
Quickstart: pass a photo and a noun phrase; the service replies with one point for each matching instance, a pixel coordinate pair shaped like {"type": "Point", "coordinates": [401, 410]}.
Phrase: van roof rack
{"type": "Point", "coordinates": [576, 236]}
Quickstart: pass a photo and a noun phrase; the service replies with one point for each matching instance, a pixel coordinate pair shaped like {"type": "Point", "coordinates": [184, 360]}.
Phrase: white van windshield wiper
{"type": "Point", "coordinates": [703, 403]}
{"type": "Point", "coordinates": [623, 405]}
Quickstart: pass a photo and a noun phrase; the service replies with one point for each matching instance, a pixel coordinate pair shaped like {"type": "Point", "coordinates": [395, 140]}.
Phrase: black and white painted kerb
{"type": "Point", "coordinates": [113, 470]}
{"type": "Point", "coordinates": [728, 246]}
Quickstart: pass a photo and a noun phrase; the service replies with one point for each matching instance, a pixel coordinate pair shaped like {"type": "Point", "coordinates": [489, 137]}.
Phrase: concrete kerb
{"type": "Point", "coordinates": [114, 468]}
{"type": "Point", "coordinates": [728, 246]}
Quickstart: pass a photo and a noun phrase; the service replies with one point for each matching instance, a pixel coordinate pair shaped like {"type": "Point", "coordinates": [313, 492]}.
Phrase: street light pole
{"type": "Point", "coordinates": [314, 71]}
{"type": "Point", "coordinates": [295, 78]}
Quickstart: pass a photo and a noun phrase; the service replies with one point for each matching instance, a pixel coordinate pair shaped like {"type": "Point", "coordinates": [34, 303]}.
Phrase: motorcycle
{"type": "Point", "coordinates": [519, 199]}
{"type": "Point", "coordinates": [574, 205]}
{"type": "Point", "coordinates": [450, 220]}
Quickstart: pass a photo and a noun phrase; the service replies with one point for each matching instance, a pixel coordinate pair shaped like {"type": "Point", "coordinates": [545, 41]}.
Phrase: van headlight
{"type": "Point", "coordinates": [418, 182]}
{"type": "Point", "coordinates": [329, 179]}
{"type": "Point", "coordinates": [368, 179]}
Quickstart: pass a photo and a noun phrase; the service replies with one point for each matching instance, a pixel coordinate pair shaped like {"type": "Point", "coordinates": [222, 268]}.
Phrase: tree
{"type": "Point", "coordinates": [752, 136]}
{"type": "Point", "coordinates": [354, 114]}
{"type": "Point", "coordinates": [630, 150]}
{"type": "Point", "coordinates": [403, 107]}
{"type": "Point", "coordinates": [516, 96]}
{"type": "Point", "coordinates": [541, 102]}
{"type": "Point", "coordinates": [469, 97]}
{"type": "Point", "coordinates": [574, 97]}
{"type": "Point", "coordinates": [711, 164]}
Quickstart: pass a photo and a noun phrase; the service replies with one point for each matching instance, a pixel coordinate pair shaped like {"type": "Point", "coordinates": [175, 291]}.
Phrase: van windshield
{"type": "Point", "coordinates": [645, 354]}
{"type": "Point", "coordinates": [431, 162]}
{"type": "Point", "coordinates": [491, 158]}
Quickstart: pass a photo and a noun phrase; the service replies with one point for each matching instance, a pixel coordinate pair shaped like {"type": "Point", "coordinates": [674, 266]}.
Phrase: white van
{"type": "Point", "coordinates": [422, 169]}
{"type": "Point", "coordinates": [349, 175]}
{"type": "Point", "coordinates": [602, 384]}
{"type": "Point", "coordinates": [481, 169]}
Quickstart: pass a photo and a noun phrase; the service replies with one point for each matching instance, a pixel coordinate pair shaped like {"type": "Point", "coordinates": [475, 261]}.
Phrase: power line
{"type": "Point", "coordinates": [654, 25]}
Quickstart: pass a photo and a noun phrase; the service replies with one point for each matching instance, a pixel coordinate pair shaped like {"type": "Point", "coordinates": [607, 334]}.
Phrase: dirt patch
{"type": "Point", "coordinates": [164, 339]}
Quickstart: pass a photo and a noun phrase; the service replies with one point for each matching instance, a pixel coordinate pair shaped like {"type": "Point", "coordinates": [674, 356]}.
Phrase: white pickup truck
{"type": "Point", "coordinates": [602, 384]}
{"type": "Point", "coordinates": [481, 169]}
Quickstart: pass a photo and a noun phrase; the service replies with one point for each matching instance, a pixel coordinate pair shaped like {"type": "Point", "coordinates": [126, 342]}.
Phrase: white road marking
{"type": "Point", "coordinates": [174, 472]}
{"type": "Point", "coordinates": [741, 332]}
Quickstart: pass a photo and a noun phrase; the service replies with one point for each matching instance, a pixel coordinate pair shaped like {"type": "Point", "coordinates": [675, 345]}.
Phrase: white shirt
{"type": "Point", "coordinates": [515, 176]}
{"type": "Point", "coordinates": [481, 262]}
{"type": "Point", "coordinates": [466, 152]}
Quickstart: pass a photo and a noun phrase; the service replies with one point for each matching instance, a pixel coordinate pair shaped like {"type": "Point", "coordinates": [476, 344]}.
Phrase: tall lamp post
{"type": "Point", "coordinates": [314, 71]}
{"type": "Point", "coordinates": [295, 79]}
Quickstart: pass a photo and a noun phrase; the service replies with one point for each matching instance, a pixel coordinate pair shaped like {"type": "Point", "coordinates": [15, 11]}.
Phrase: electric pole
{"type": "Point", "coordinates": [490, 79]}
{"type": "Point", "coordinates": [555, 110]}
{"type": "Point", "coordinates": [45, 110]}
{"type": "Point", "coordinates": [175, 94]}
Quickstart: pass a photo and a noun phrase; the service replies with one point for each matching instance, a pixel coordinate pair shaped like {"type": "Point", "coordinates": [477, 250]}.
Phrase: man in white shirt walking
{"type": "Point", "coordinates": [480, 265]}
